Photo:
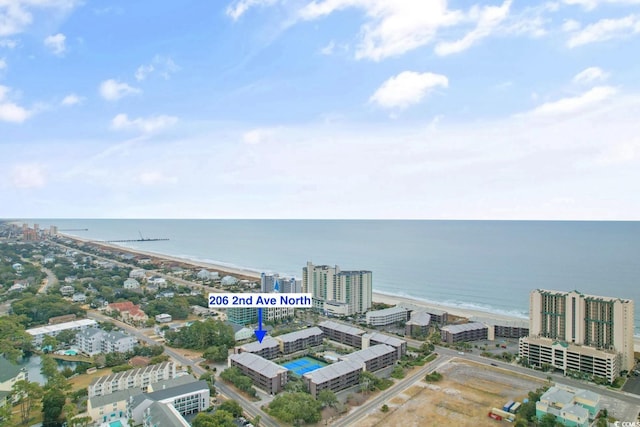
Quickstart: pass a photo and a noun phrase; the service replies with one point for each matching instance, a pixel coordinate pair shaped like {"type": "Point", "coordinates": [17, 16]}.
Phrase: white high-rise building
{"type": "Point", "coordinates": [574, 331]}
{"type": "Point", "coordinates": [350, 291]}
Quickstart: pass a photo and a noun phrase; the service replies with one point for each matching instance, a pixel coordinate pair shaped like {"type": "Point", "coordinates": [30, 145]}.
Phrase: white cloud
{"type": "Point", "coordinates": [570, 25]}
{"type": "Point", "coordinates": [28, 176]}
{"type": "Point", "coordinates": [56, 43]}
{"type": "Point", "coordinates": [71, 99]}
{"type": "Point", "coordinates": [487, 18]}
{"type": "Point", "coordinates": [143, 71]}
{"type": "Point", "coordinates": [407, 88]}
{"type": "Point", "coordinates": [10, 111]}
{"type": "Point", "coordinates": [590, 75]}
{"type": "Point", "coordinates": [328, 49]}
{"type": "Point", "coordinates": [393, 27]}
{"type": "Point", "coordinates": [145, 125]}
{"type": "Point", "coordinates": [112, 90]}
{"type": "Point", "coordinates": [575, 104]}
{"type": "Point", "coordinates": [257, 136]}
{"type": "Point", "coordinates": [239, 7]}
{"type": "Point", "coordinates": [592, 4]}
{"type": "Point", "coordinates": [151, 178]}
{"type": "Point", "coordinates": [17, 15]}
{"type": "Point", "coordinates": [605, 29]}
{"type": "Point", "coordinates": [8, 43]}
{"type": "Point", "coordinates": [3, 64]}
{"type": "Point", "coordinates": [163, 65]}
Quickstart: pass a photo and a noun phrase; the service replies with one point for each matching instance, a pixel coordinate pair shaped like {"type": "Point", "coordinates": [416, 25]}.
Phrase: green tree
{"type": "Point", "coordinates": [385, 408]}
{"type": "Point", "coordinates": [52, 403]}
{"type": "Point", "coordinates": [217, 419]}
{"type": "Point", "coordinates": [49, 341]}
{"type": "Point", "coordinates": [295, 407]}
{"type": "Point", "coordinates": [29, 394]}
{"type": "Point", "coordinates": [549, 420]}
{"type": "Point", "coordinates": [216, 353]}
{"type": "Point", "coordinates": [327, 398]}
{"type": "Point", "coordinates": [232, 407]}
{"type": "Point", "coordinates": [14, 341]}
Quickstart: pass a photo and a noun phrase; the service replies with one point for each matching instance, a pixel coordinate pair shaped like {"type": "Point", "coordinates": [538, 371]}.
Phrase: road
{"type": "Point", "coordinates": [51, 280]}
{"type": "Point", "coordinates": [252, 409]}
{"type": "Point", "coordinates": [376, 402]}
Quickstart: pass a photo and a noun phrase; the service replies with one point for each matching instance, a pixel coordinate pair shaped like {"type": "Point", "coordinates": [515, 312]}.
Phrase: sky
{"type": "Point", "coordinates": [416, 109]}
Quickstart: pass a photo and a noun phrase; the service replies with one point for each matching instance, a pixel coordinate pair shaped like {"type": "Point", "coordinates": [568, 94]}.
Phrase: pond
{"type": "Point", "coordinates": [32, 364]}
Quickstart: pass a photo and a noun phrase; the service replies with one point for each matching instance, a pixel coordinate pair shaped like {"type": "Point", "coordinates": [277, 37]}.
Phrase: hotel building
{"type": "Point", "coordinates": [574, 331]}
{"type": "Point", "coordinates": [344, 292]}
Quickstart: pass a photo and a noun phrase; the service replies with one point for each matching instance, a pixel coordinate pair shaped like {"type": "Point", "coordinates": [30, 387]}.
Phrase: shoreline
{"type": "Point", "coordinates": [377, 296]}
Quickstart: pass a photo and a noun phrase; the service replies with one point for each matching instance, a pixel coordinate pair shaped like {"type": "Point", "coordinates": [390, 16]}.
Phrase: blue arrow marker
{"type": "Point", "coordinates": [259, 332]}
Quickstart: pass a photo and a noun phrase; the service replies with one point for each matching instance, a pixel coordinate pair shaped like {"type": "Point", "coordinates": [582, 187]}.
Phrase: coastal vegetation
{"type": "Point", "coordinates": [202, 335]}
{"type": "Point", "coordinates": [242, 382]}
{"type": "Point", "coordinates": [294, 408]}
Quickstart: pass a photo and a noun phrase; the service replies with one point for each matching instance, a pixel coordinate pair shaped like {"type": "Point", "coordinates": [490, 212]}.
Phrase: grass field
{"type": "Point", "coordinates": [462, 398]}
{"type": "Point", "coordinates": [82, 381]}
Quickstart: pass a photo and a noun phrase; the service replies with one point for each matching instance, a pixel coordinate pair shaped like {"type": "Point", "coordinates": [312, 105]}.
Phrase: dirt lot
{"type": "Point", "coordinates": [462, 398]}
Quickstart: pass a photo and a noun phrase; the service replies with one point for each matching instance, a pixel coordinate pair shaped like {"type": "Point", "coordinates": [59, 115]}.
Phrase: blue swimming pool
{"type": "Point", "coordinates": [115, 424]}
{"type": "Point", "coordinates": [303, 365]}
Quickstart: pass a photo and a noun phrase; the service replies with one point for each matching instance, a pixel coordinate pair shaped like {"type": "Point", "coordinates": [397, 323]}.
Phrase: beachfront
{"type": "Point", "coordinates": [248, 274]}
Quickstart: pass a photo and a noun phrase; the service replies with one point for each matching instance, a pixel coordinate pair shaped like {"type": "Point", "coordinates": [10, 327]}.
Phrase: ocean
{"type": "Point", "coordinates": [484, 265]}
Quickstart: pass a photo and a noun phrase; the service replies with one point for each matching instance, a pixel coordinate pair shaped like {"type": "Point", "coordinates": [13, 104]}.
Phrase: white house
{"type": "Point", "coordinates": [78, 297]}
{"type": "Point", "coordinates": [207, 275]}
{"type": "Point", "coordinates": [67, 290]}
{"type": "Point", "coordinates": [131, 283]}
{"type": "Point", "coordinates": [18, 287]}
{"type": "Point", "coordinates": [228, 281]}
{"type": "Point", "coordinates": [17, 267]}
{"type": "Point", "coordinates": [163, 318]}
{"type": "Point", "coordinates": [158, 281]}
{"type": "Point", "coordinates": [138, 273]}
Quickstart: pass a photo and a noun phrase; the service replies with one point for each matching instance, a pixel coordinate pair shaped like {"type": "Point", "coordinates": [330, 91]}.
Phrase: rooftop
{"type": "Point", "coordinates": [178, 390]}
{"type": "Point", "coordinates": [345, 329]}
{"type": "Point", "coordinates": [7, 370]}
{"type": "Point", "coordinates": [118, 396]}
{"type": "Point", "coordinates": [255, 346]}
{"type": "Point", "coordinates": [259, 364]}
{"type": "Point", "coordinates": [173, 382]}
{"type": "Point", "coordinates": [332, 371]}
{"type": "Point", "coordinates": [387, 311]}
{"type": "Point", "coordinates": [472, 326]}
{"type": "Point", "coordinates": [49, 329]}
{"type": "Point", "coordinates": [386, 339]}
{"type": "Point", "coordinates": [419, 318]}
{"type": "Point", "coordinates": [301, 334]}
{"type": "Point", "coordinates": [161, 415]}
{"type": "Point", "coordinates": [130, 372]}
{"type": "Point", "coordinates": [367, 354]}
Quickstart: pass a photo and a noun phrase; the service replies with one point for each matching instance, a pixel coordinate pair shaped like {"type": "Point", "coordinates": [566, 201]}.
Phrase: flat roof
{"type": "Point", "coordinates": [108, 399]}
{"type": "Point", "coordinates": [346, 329]}
{"type": "Point", "coordinates": [170, 392]}
{"type": "Point", "coordinates": [367, 354]}
{"type": "Point", "coordinates": [259, 364]}
{"type": "Point", "coordinates": [173, 382]}
{"type": "Point", "coordinates": [387, 311]}
{"type": "Point", "coordinates": [61, 326]}
{"type": "Point", "coordinates": [335, 370]}
{"type": "Point", "coordinates": [473, 326]}
{"type": "Point", "coordinates": [130, 372]}
{"type": "Point", "coordinates": [301, 334]}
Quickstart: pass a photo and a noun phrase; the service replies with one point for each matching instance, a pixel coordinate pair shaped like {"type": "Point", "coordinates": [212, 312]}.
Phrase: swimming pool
{"type": "Point", "coordinates": [303, 365]}
{"type": "Point", "coordinates": [115, 424]}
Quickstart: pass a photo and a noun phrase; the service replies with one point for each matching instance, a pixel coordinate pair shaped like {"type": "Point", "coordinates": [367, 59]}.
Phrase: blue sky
{"type": "Point", "coordinates": [320, 109]}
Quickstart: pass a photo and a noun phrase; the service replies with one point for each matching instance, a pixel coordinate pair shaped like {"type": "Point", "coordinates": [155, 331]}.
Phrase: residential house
{"type": "Point", "coordinates": [129, 311]}
{"type": "Point", "coordinates": [131, 284]}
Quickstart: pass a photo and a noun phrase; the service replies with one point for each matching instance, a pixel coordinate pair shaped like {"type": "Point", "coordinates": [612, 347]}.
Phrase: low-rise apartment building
{"type": "Point", "coordinates": [374, 358]}
{"type": "Point", "coordinates": [570, 406]}
{"type": "Point", "coordinates": [418, 325]}
{"type": "Point", "coordinates": [269, 348]}
{"type": "Point", "coordinates": [52, 330]}
{"type": "Point", "coordinates": [265, 374]}
{"type": "Point", "coordinates": [94, 341]}
{"type": "Point", "coordinates": [341, 333]}
{"type": "Point", "coordinates": [473, 331]}
{"type": "Point", "coordinates": [135, 378]}
{"type": "Point", "coordinates": [387, 316]}
{"type": "Point", "coordinates": [376, 338]}
{"type": "Point", "coordinates": [335, 377]}
{"type": "Point", "coordinates": [300, 340]}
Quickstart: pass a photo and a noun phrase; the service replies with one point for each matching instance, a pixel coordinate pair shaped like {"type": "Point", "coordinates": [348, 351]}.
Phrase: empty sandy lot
{"type": "Point", "coordinates": [462, 398]}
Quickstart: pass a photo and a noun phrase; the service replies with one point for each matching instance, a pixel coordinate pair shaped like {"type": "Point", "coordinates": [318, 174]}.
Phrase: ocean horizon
{"type": "Point", "coordinates": [490, 266]}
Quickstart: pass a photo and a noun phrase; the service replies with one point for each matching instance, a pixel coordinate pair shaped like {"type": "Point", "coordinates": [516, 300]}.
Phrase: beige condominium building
{"type": "Point", "coordinates": [338, 292]}
{"type": "Point", "coordinates": [579, 332]}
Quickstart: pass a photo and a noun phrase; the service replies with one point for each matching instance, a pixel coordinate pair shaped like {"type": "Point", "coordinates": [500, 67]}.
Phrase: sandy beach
{"type": "Point", "coordinates": [484, 316]}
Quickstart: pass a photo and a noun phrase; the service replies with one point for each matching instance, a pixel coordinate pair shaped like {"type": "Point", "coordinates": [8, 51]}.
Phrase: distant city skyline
{"type": "Point", "coordinates": [434, 109]}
